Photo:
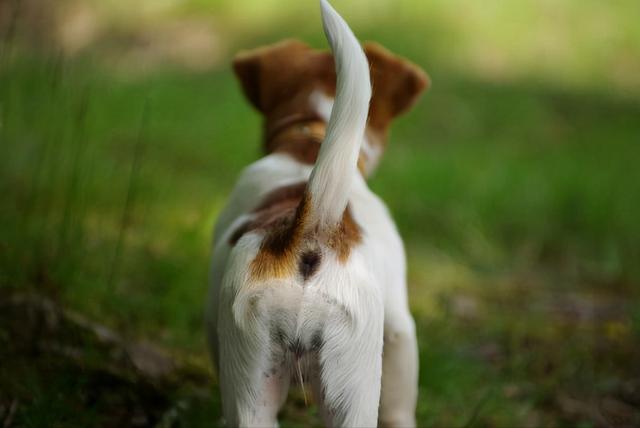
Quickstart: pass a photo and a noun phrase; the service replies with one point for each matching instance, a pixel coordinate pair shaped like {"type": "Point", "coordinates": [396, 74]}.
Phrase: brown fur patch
{"type": "Point", "coordinates": [290, 194]}
{"type": "Point", "coordinates": [300, 140]}
{"type": "Point", "coordinates": [345, 236]}
{"type": "Point", "coordinates": [281, 215]}
{"type": "Point", "coordinates": [278, 253]}
{"type": "Point", "coordinates": [274, 207]}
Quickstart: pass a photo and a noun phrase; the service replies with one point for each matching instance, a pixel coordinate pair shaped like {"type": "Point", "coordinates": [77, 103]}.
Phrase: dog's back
{"type": "Point", "coordinates": [304, 258]}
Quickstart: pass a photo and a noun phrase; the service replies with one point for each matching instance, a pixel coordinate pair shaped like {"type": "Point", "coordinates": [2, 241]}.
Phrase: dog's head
{"type": "Point", "coordinates": [281, 81]}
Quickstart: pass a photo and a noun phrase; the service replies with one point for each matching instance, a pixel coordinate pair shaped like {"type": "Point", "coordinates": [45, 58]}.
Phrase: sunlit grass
{"type": "Point", "coordinates": [578, 44]}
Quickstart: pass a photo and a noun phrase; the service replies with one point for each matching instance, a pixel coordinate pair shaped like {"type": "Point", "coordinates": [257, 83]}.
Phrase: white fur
{"type": "Point", "coordinates": [351, 306]}
{"type": "Point", "coordinates": [333, 173]}
{"type": "Point", "coordinates": [322, 104]}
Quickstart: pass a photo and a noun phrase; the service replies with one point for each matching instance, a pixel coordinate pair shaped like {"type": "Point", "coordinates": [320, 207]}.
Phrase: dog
{"type": "Point", "coordinates": [308, 276]}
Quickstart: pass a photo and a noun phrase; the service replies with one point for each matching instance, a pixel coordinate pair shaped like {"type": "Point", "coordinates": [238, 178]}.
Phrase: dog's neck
{"type": "Point", "coordinates": [299, 130]}
{"type": "Point", "coordinates": [298, 135]}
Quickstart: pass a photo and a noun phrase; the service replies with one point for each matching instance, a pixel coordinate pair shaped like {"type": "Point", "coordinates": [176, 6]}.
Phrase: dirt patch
{"type": "Point", "coordinates": [57, 361]}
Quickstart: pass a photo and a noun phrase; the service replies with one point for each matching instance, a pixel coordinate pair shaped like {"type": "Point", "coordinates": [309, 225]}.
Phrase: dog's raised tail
{"type": "Point", "coordinates": [330, 182]}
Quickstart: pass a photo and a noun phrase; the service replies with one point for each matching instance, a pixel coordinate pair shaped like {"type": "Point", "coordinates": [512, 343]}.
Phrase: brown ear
{"type": "Point", "coordinates": [397, 84]}
{"type": "Point", "coordinates": [271, 73]}
{"type": "Point", "coordinates": [246, 66]}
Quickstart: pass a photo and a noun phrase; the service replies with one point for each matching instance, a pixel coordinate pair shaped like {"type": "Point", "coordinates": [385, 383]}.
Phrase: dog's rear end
{"type": "Point", "coordinates": [298, 284]}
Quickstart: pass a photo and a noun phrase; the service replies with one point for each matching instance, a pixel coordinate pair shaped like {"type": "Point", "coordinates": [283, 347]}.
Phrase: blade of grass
{"type": "Point", "coordinates": [129, 199]}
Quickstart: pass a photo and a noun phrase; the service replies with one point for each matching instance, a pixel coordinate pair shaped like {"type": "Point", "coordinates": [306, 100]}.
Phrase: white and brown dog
{"type": "Point", "coordinates": [308, 272]}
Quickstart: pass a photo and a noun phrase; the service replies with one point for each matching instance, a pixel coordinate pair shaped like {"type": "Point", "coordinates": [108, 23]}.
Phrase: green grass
{"type": "Point", "coordinates": [517, 194]}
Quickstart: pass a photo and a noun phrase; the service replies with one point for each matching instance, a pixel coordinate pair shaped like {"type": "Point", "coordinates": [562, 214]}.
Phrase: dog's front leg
{"type": "Point", "coordinates": [254, 378]}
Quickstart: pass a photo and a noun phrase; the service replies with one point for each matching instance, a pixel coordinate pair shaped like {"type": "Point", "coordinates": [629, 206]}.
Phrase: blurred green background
{"type": "Point", "coordinates": [515, 184]}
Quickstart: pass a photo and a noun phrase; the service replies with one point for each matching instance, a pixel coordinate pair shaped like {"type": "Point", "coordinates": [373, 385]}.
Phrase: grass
{"type": "Point", "coordinates": [517, 196]}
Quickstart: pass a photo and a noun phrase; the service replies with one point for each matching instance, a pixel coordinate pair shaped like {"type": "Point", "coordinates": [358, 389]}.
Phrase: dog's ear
{"type": "Point", "coordinates": [275, 72]}
{"type": "Point", "coordinates": [397, 84]}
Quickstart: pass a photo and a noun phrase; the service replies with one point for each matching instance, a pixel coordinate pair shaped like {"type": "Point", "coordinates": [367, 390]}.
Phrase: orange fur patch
{"type": "Point", "coordinates": [345, 236]}
{"type": "Point", "coordinates": [275, 208]}
{"type": "Point", "coordinates": [277, 257]}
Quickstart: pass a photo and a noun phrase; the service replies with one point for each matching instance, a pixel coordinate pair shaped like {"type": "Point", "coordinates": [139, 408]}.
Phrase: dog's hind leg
{"type": "Point", "coordinates": [254, 375]}
{"type": "Point", "coordinates": [253, 394]}
{"type": "Point", "coordinates": [399, 370]}
{"type": "Point", "coordinates": [350, 363]}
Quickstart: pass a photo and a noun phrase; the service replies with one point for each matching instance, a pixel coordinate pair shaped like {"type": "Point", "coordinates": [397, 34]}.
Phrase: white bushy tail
{"type": "Point", "coordinates": [335, 169]}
